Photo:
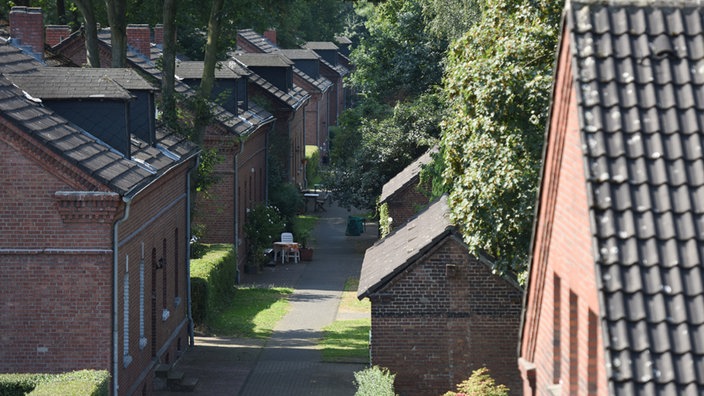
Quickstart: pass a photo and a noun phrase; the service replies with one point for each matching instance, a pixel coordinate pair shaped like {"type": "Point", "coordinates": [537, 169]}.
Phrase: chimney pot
{"type": "Point", "coordinates": [139, 38]}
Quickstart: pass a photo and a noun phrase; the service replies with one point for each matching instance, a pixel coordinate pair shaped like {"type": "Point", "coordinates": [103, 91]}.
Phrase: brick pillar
{"type": "Point", "coordinates": [138, 37]}
{"type": "Point", "coordinates": [270, 35]}
{"type": "Point", "coordinates": [56, 33]}
{"type": "Point", "coordinates": [159, 34]}
{"type": "Point", "coordinates": [27, 26]}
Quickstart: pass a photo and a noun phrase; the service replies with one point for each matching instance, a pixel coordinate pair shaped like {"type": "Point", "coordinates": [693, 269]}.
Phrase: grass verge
{"type": "Point", "coordinates": [253, 313]}
{"type": "Point", "coordinates": [348, 340]}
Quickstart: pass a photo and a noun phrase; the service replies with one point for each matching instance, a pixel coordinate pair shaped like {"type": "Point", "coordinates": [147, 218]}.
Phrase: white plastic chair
{"type": "Point", "coordinates": [291, 251]}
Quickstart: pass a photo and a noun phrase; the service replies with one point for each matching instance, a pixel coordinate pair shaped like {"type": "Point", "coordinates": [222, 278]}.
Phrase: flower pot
{"type": "Point", "coordinates": [306, 254]}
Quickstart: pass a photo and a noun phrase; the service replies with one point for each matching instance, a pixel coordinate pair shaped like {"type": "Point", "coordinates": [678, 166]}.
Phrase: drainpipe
{"type": "Point", "coordinates": [115, 273]}
{"type": "Point", "coordinates": [189, 313]}
{"type": "Point", "coordinates": [237, 212]}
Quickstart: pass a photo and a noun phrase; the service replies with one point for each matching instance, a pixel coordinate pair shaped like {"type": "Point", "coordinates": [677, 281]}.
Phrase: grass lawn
{"type": "Point", "coordinates": [348, 340]}
{"type": "Point", "coordinates": [253, 313]}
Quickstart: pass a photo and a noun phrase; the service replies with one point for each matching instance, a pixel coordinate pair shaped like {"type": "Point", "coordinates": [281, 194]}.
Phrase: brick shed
{"type": "Point", "coordinates": [615, 296]}
{"type": "Point", "coordinates": [438, 313]}
{"type": "Point", "coordinates": [403, 194]}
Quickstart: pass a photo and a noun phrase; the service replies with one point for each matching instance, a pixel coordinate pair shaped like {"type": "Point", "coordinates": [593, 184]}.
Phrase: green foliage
{"type": "Point", "coordinates": [218, 269]}
{"type": "Point", "coordinates": [498, 89]}
{"type": "Point", "coordinates": [198, 248]}
{"type": "Point", "coordinates": [205, 175]}
{"type": "Point", "coordinates": [75, 383]}
{"type": "Point", "coordinates": [288, 200]}
{"type": "Point", "coordinates": [479, 383]}
{"type": "Point", "coordinates": [387, 146]}
{"type": "Point", "coordinates": [313, 171]}
{"type": "Point", "coordinates": [374, 381]}
{"type": "Point", "coordinates": [302, 229]}
{"type": "Point", "coordinates": [345, 135]}
{"type": "Point", "coordinates": [262, 227]}
{"type": "Point", "coordinates": [396, 60]}
{"type": "Point", "coordinates": [450, 19]}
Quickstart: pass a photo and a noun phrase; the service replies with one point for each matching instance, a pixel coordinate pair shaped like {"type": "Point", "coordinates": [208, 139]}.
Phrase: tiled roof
{"type": "Point", "coordinates": [339, 69]}
{"type": "Point", "coordinates": [391, 255]}
{"type": "Point", "coordinates": [241, 124]}
{"type": "Point", "coordinates": [272, 59]}
{"type": "Point", "coordinates": [343, 40]}
{"type": "Point", "coordinates": [407, 176]}
{"type": "Point", "coordinates": [123, 175]}
{"type": "Point", "coordinates": [294, 98]}
{"type": "Point", "coordinates": [639, 75]}
{"type": "Point", "coordinates": [13, 60]}
{"type": "Point", "coordinates": [71, 82]}
{"type": "Point", "coordinates": [257, 40]}
{"type": "Point", "coordinates": [266, 46]}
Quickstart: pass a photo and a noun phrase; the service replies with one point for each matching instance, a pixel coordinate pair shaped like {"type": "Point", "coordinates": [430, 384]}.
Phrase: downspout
{"type": "Point", "coordinates": [189, 313]}
{"type": "Point", "coordinates": [115, 330]}
{"type": "Point", "coordinates": [237, 212]}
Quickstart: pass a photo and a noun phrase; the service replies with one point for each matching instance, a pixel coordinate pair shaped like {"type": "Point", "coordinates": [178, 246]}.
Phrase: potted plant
{"type": "Point", "coordinates": [302, 229]}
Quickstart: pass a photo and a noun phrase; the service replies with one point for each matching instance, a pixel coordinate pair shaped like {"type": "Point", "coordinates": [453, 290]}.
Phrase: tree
{"type": "Point", "coordinates": [397, 60]}
{"type": "Point", "coordinates": [498, 89]}
{"type": "Point", "coordinates": [169, 64]}
{"type": "Point", "coordinates": [211, 49]}
{"type": "Point", "coordinates": [117, 19]}
{"type": "Point", "coordinates": [386, 147]}
{"type": "Point", "coordinates": [87, 9]}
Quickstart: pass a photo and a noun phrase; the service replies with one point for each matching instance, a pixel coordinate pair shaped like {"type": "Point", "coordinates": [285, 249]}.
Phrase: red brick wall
{"type": "Point", "coordinates": [157, 215]}
{"type": "Point", "coordinates": [405, 203]}
{"type": "Point", "coordinates": [433, 330]}
{"type": "Point", "coordinates": [562, 284]}
{"type": "Point", "coordinates": [56, 34]}
{"type": "Point", "coordinates": [139, 38]}
{"type": "Point", "coordinates": [27, 25]}
{"type": "Point", "coordinates": [56, 268]}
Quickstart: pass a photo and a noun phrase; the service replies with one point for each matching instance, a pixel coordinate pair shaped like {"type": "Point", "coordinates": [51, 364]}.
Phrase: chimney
{"type": "Point", "coordinates": [27, 27]}
{"type": "Point", "coordinates": [138, 37]}
{"type": "Point", "coordinates": [55, 34]}
{"type": "Point", "coordinates": [159, 34]}
{"type": "Point", "coordinates": [270, 35]}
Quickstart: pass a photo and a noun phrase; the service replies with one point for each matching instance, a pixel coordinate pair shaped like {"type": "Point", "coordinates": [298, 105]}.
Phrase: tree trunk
{"type": "Point", "coordinates": [91, 32]}
{"type": "Point", "coordinates": [211, 49]}
{"type": "Point", "coordinates": [169, 63]}
{"type": "Point", "coordinates": [118, 31]}
{"type": "Point", "coordinates": [61, 11]}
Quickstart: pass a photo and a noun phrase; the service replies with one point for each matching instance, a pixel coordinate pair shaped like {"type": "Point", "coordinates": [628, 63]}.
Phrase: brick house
{"type": "Point", "coordinates": [88, 230]}
{"type": "Point", "coordinates": [239, 135]}
{"type": "Point", "coordinates": [615, 295]}
{"type": "Point", "coordinates": [308, 74]}
{"type": "Point", "coordinates": [333, 70]}
{"type": "Point", "coordinates": [437, 312]}
{"type": "Point", "coordinates": [271, 85]}
{"type": "Point", "coordinates": [403, 194]}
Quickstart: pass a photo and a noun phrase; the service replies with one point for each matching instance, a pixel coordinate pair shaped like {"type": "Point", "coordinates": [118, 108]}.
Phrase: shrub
{"type": "Point", "coordinates": [287, 199]}
{"type": "Point", "coordinates": [374, 381]}
{"type": "Point", "coordinates": [479, 383]}
{"type": "Point", "coordinates": [75, 383]}
{"type": "Point", "coordinates": [217, 269]}
{"type": "Point", "coordinates": [263, 226]}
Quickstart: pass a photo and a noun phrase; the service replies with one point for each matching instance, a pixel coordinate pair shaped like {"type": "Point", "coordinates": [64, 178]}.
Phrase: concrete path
{"type": "Point", "coordinates": [289, 363]}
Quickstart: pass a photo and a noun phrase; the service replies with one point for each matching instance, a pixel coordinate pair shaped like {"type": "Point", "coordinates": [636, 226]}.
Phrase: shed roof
{"type": "Point", "coordinates": [321, 45]}
{"type": "Point", "coordinates": [78, 83]}
{"type": "Point", "coordinates": [391, 255]}
{"type": "Point", "coordinates": [296, 54]}
{"type": "Point", "coordinates": [223, 70]}
{"type": "Point", "coordinates": [638, 70]}
{"type": "Point", "coordinates": [407, 176]}
{"type": "Point", "coordinates": [272, 59]}
{"type": "Point", "coordinates": [257, 40]}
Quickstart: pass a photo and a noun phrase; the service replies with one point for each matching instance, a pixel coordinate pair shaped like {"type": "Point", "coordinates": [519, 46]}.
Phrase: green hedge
{"type": "Point", "coordinates": [212, 281]}
{"type": "Point", "coordinates": [75, 383]}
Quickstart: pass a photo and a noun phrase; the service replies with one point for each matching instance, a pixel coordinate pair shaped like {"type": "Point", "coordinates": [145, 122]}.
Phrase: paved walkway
{"type": "Point", "coordinates": [289, 363]}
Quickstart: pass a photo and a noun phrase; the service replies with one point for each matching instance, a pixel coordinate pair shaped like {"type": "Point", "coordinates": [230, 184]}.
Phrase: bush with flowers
{"type": "Point", "coordinates": [263, 226]}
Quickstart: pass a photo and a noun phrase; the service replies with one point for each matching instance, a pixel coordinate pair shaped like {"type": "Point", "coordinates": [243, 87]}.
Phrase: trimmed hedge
{"type": "Point", "coordinates": [212, 281]}
{"type": "Point", "coordinates": [75, 383]}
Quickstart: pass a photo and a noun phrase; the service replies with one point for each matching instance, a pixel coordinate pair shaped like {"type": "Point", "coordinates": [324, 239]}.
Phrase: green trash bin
{"type": "Point", "coordinates": [355, 225]}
